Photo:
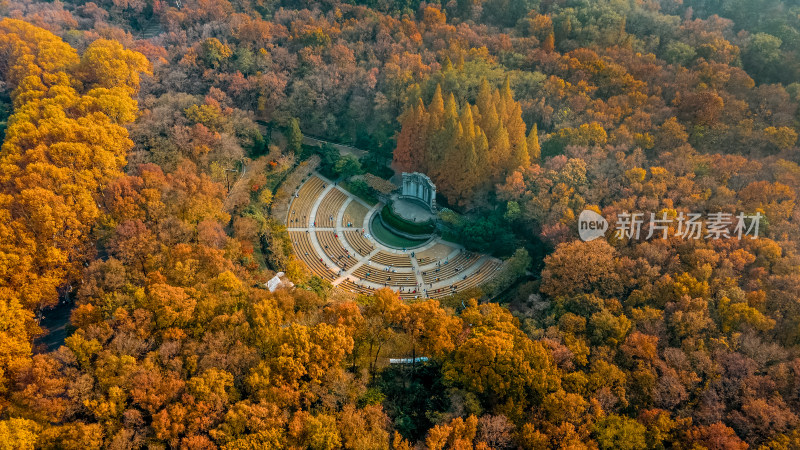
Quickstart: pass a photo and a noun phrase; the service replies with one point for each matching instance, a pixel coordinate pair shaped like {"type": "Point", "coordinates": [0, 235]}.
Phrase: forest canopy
{"type": "Point", "coordinates": [150, 151]}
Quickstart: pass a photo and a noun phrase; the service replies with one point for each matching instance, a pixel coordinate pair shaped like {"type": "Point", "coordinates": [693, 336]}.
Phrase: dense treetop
{"type": "Point", "coordinates": [147, 146]}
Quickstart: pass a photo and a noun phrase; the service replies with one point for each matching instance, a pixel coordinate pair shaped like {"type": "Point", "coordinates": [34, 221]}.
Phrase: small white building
{"type": "Point", "coordinates": [279, 280]}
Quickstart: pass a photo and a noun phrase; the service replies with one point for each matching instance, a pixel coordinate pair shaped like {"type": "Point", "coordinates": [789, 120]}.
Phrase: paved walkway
{"type": "Point", "coordinates": [343, 149]}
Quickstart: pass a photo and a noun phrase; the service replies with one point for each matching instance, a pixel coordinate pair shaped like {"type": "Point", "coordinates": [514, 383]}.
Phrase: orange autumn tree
{"type": "Point", "coordinates": [64, 143]}
{"type": "Point", "coordinates": [464, 148]}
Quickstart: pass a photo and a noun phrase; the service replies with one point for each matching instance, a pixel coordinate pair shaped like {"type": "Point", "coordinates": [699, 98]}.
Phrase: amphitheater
{"type": "Point", "coordinates": [329, 229]}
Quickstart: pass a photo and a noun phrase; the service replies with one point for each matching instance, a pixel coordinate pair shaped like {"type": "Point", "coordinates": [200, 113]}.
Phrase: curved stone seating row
{"type": "Point", "coordinates": [305, 251]}
{"type": "Point", "coordinates": [329, 208]}
{"type": "Point", "coordinates": [359, 243]}
{"type": "Point", "coordinates": [482, 275]}
{"type": "Point", "coordinates": [354, 215]}
{"type": "Point", "coordinates": [382, 277]}
{"type": "Point", "coordinates": [389, 259]}
{"type": "Point", "coordinates": [357, 288]}
{"type": "Point", "coordinates": [301, 206]}
{"type": "Point", "coordinates": [450, 268]}
{"type": "Point", "coordinates": [432, 254]}
{"type": "Point", "coordinates": [333, 248]}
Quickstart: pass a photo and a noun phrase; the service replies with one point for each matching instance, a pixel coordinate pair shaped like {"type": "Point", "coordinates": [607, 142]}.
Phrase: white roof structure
{"type": "Point", "coordinates": [276, 282]}
{"type": "Point", "coordinates": [407, 360]}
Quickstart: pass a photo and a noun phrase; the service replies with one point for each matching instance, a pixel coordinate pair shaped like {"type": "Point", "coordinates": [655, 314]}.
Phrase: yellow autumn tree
{"type": "Point", "coordinates": [62, 147]}
{"type": "Point", "coordinates": [65, 142]}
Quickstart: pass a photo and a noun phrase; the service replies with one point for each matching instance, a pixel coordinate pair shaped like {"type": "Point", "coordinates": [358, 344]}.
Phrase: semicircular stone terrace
{"type": "Point", "coordinates": [329, 230]}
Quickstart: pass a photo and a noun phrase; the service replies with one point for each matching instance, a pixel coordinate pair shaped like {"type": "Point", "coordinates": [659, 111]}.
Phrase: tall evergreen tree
{"type": "Point", "coordinates": [436, 108]}
{"type": "Point", "coordinates": [467, 173]}
{"type": "Point", "coordinates": [468, 151]}
{"type": "Point", "coordinates": [442, 143]}
{"type": "Point", "coordinates": [410, 155]}
{"type": "Point", "coordinates": [515, 126]}
{"type": "Point", "coordinates": [294, 135]}
{"type": "Point", "coordinates": [534, 149]}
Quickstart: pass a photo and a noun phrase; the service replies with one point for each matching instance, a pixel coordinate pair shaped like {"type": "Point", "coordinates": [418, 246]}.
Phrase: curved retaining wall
{"type": "Point", "coordinates": [427, 238]}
